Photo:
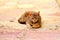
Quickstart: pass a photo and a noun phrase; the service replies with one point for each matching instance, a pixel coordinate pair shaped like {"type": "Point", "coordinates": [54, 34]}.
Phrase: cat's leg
{"type": "Point", "coordinates": [28, 26]}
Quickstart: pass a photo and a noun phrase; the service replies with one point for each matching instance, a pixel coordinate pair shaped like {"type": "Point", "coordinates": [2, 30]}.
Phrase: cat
{"type": "Point", "coordinates": [31, 18]}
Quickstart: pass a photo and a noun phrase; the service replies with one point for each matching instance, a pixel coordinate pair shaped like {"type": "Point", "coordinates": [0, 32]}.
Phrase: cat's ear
{"type": "Point", "coordinates": [30, 13]}
{"type": "Point", "coordinates": [38, 13]}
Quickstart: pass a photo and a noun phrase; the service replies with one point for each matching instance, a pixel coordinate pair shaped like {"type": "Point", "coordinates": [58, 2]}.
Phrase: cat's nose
{"type": "Point", "coordinates": [33, 20]}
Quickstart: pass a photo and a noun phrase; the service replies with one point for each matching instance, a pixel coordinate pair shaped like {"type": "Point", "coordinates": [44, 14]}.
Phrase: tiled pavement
{"type": "Point", "coordinates": [12, 9]}
{"type": "Point", "coordinates": [30, 35]}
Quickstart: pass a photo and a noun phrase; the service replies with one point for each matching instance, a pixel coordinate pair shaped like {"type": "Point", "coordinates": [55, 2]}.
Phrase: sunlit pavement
{"type": "Point", "coordinates": [10, 10]}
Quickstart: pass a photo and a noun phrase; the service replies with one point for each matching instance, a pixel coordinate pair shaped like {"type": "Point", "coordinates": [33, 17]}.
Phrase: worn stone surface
{"type": "Point", "coordinates": [11, 10]}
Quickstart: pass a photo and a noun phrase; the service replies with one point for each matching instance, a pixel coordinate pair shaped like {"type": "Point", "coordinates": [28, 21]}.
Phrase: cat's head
{"type": "Point", "coordinates": [34, 16]}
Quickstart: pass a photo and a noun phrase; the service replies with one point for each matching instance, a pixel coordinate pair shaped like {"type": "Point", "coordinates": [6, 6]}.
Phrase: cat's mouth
{"type": "Point", "coordinates": [34, 22]}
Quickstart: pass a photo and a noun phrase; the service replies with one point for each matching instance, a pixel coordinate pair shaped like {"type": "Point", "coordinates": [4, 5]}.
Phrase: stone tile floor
{"type": "Point", "coordinates": [12, 9]}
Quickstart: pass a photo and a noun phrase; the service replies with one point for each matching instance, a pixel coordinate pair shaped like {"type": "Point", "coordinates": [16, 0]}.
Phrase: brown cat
{"type": "Point", "coordinates": [32, 18]}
